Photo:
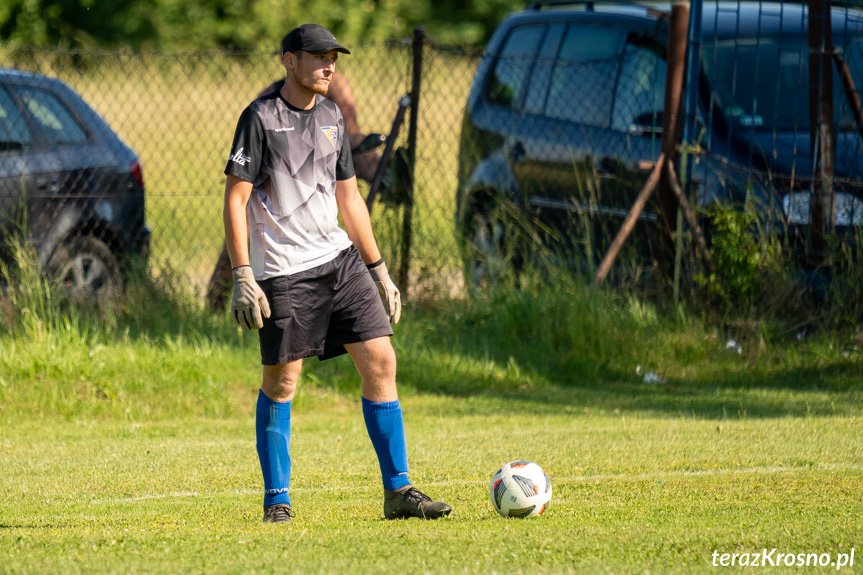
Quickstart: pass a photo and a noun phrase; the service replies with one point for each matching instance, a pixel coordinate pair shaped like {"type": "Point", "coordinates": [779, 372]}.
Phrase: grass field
{"type": "Point", "coordinates": [128, 443]}
{"type": "Point", "coordinates": [632, 493]}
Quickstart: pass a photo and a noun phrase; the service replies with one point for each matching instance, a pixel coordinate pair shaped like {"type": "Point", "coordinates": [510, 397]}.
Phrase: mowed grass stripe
{"type": "Point", "coordinates": [475, 482]}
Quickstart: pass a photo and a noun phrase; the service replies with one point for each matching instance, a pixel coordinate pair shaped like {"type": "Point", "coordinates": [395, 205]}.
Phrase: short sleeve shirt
{"type": "Point", "coordinates": [293, 158]}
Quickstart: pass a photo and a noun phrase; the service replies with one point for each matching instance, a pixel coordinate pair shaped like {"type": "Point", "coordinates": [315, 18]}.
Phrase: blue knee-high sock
{"type": "Point", "coordinates": [387, 431]}
{"type": "Point", "coordinates": [273, 431]}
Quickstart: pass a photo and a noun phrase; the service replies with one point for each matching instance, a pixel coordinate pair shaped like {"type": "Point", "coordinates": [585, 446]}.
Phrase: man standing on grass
{"type": "Point", "coordinates": [309, 286]}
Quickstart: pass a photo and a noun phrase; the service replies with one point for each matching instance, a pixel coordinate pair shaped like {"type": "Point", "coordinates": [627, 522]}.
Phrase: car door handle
{"type": "Point", "coordinates": [517, 152]}
{"type": "Point", "coordinates": [47, 185]}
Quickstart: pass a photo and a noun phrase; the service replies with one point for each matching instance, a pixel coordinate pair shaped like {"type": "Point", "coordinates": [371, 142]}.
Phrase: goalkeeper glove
{"type": "Point", "coordinates": [248, 301]}
{"type": "Point", "coordinates": [389, 292]}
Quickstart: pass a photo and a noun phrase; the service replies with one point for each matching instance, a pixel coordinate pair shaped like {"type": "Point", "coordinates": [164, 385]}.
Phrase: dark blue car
{"type": "Point", "coordinates": [69, 185]}
{"type": "Point", "coordinates": [563, 124]}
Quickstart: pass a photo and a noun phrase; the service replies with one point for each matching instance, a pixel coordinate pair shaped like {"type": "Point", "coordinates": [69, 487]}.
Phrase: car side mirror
{"type": "Point", "coordinates": [650, 123]}
{"type": "Point", "coordinates": [646, 124]}
{"type": "Point", "coordinates": [10, 146]}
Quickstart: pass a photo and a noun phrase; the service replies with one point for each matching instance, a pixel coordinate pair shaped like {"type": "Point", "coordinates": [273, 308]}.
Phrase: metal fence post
{"type": "Point", "coordinates": [672, 130]}
{"type": "Point", "coordinates": [822, 137]}
{"type": "Point", "coordinates": [404, 269]}
{"type": "Point", "coordinates": [690, 113]}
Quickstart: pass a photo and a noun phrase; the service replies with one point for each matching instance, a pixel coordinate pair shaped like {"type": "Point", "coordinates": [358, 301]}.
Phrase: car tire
{"type": "Point", "coordinates": [491, 257]}
{"type": "Point", "coordinates": [85, 269]}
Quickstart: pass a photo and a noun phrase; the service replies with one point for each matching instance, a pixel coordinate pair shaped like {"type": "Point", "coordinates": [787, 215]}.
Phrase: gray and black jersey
{"type": "Point", "coordinates": [293, 158]}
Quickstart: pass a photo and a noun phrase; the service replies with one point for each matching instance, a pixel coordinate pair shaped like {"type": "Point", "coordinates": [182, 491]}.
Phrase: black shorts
{"type": "Point", "coordinates": [318, 311]}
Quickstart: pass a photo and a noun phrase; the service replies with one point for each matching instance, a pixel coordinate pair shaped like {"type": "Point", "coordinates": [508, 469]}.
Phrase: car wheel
{"type": "Point", "coordinates": [490, 258]}
{"type": "Point", "coordinates": [86, 269]}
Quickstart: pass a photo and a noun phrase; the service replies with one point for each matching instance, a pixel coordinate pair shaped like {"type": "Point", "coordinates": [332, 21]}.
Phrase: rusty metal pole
{"type": "Point", "coordinates": [851, 93]}
{"type": "Point", "coordinates": [672, 125]}
{"type": "Point", "coordinates": [629, 222]}
{"type": "Point", "coordinates": [672, 129]}
{"type": "Point", "coordinates": [690, 111]}
{"type": "Point", "coordinates": [404, 268]}
{"type": "Point", "coordinates": [822, 209]}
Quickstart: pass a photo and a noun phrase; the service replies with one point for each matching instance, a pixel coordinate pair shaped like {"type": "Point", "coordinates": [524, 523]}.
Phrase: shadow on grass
{"type": "Point", "coordinates": [451, 359]}
{"type": "Point", "coordinates": [615, 395]}
{"type": "Point", "coordinates": [615, 392]}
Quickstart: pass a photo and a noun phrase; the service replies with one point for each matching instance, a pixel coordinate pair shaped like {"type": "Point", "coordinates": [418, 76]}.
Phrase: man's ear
{"type": "Point", "coordinates": [289, 59]}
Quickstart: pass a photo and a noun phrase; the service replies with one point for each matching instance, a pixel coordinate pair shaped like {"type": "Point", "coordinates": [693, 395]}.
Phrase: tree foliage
{"type": "Point", "coordinates": [239, 24]}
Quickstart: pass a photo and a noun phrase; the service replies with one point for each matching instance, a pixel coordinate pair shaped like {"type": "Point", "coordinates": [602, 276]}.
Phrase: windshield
{"type": "Point", "coordinates": [764, 83]}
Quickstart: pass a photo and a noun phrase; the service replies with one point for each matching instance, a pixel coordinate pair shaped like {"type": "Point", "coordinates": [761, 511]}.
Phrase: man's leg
{"type": "Point", "coordinates": [376, 361]}
{"type": "Point", "coordinates": [273, 431]}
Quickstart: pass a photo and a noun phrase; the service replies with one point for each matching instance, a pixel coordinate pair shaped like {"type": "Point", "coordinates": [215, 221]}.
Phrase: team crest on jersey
{"type": "Point", "coordinates": [332, 134]}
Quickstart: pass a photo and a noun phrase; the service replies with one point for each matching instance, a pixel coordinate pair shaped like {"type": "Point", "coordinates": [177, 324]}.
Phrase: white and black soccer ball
{"type": "Point", "coordinates": [520, 489]}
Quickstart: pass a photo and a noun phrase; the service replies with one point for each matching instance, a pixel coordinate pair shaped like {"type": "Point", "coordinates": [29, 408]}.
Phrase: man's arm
{"type": "Point", "coordinates": [248, 303]}
{"type": "Point", "coordinates": [358, 224]}
{"type": "Point", "coordinates": [237, 194]}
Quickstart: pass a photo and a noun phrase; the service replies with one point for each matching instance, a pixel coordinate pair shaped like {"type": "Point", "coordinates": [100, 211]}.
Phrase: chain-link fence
{"type": "Point", "coordinates": [561, 120]}
{"type": "Point", "coordinates": [178, 113]}
{"type": "Point", "coordinates": [570, 116]}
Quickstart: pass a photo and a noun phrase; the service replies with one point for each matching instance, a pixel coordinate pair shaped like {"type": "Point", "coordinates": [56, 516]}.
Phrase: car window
{"type": "Point", "coordinates": [13, 128]}
{"type": "Point", "coordinates": [537, 88]}
{"type": "Point", "coordinates": [763, 84]}
{"type": "Point", "coordinates": [57, 123]}
{"type": "Point", "coordinates": [514, 64]}
{"type": "Point", "coordinates": [852, 54]}
{"type": "Point", "coordinates": [640, 90]}
{"type": "Point", "coordinates": [583, 79]}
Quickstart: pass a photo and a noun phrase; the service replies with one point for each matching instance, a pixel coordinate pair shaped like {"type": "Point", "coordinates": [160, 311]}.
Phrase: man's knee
{"type": "Point", "coordinates": [375, 358]}
{"type": "Point", "coordinates": [280, 381]}
{"type": "Point", "coordinates": [386, 361]}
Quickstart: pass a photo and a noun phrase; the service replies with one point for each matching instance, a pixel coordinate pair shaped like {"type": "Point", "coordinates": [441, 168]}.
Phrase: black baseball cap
{"type": "Point", "coordinates": [311, 38]}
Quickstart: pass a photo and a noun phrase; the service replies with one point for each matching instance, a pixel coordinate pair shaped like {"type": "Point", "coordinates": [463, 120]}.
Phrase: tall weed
{"type": "Point", "coordinates": [33, 307]}
{"type": "Point", "coordinates": [843, 292]}
{"type": "Point", "coordinates": [768, 280]}
{"type": "Point", "coordinates": [745, 262]}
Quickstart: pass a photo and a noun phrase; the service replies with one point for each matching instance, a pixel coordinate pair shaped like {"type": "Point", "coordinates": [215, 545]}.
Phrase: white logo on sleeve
{"type": "Point", "coordinates": [240, 158]}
